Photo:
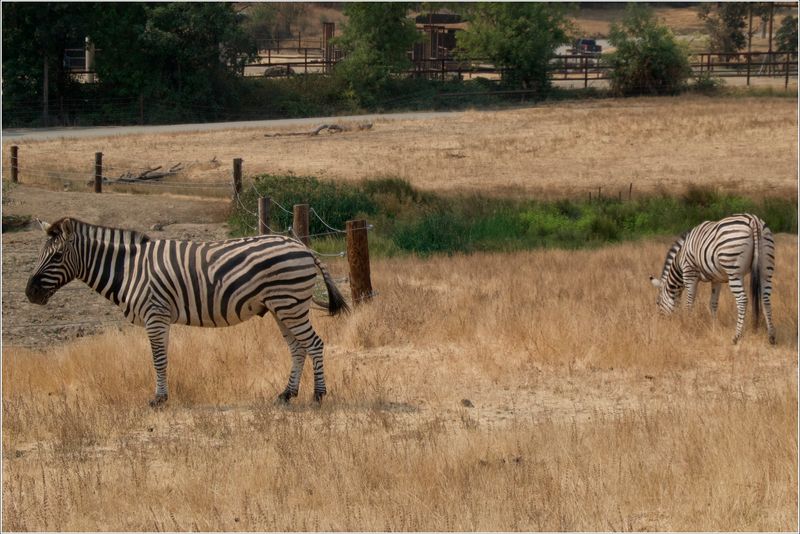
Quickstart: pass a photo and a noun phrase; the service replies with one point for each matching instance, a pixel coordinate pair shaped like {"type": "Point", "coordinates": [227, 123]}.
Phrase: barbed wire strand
{"type": "Point", "coordinates": [328, 226]}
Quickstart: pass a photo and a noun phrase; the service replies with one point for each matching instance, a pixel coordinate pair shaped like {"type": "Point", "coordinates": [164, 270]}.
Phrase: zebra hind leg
{"type": "Point", "coordinates": [737, 288]}
{"type": "Point", "coordinates": [304, 334]}
{"type": "Point", "coordinates": [298, 361]}
{"type": "Point", "coordinates": [766, 304]}
{"type": "Point", "coordinates": [714, 304]}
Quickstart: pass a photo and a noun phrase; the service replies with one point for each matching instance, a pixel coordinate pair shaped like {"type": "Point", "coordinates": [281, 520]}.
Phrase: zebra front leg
{"type": "Point", "coordinates": [298, 360]}
{"type": "Point", "coordinates": [737, 288]}
{"type": "Point", "coordinates": [690, 280]}
{"type": "Point", "coordinates": [715, 290]}
{"type": "Point", "coordinates": [158, 332]}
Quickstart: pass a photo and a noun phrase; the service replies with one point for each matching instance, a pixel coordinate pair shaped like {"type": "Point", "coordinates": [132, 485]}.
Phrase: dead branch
{"type": "Point", "coordinates": [331, 128]}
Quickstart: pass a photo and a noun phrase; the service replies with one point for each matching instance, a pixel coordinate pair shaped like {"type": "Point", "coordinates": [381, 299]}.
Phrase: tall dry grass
{"type": "Point", "coordinates": [588, 412]}
{"type": "Point", "coordinates": [742, 145]}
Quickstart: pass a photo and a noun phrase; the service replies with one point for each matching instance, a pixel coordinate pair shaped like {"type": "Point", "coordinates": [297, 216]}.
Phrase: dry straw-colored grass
{"type": "Point", "coordinates": [744, 145]}
{"type": "Point", "coordinates": [590, 412]}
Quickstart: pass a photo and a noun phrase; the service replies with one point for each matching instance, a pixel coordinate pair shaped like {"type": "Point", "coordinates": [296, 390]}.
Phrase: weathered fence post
{"type": "Point", "coordinates": [98, 172]}
{"type": "Point", "coordinates": [15, 164]}
{"type": "Point", "coordinates": [237, 177]}
{"type": "Point", "coordinates": [585, 72]}
{"type": "Point", "coordinates": [786, 82]}
{"type": "Point", "coordinates": [358, 260]}
{"type": "Point", "coordinates": [263, 215]}
{"type": "Point", "coordinates": [300, 223]}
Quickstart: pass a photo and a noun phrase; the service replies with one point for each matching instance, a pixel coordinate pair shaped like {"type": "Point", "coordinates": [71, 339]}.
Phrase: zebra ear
{"type": "Point", "coordinates": [66, 226]}
{"type": "Point", "coordinates": [45, 226]}
{"type": "Point", "coordinates": [655, 281]}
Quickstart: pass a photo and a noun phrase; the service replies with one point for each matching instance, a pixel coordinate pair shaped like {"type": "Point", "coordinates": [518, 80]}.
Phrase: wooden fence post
{"type": "Point", "coordinates": [300, 224]}
{"type": "Point", "coordinates": [585, 72]}
{"type": "Point", "coordinates": [786, 82]}
{"type": "Point", "coordinates": [358, 260]}
{"type": "Point", "coordinates": [237, 177]}
{"type": "Point", "coordinates": [263, 215]}
{"type": "Point", "coordinates": [630, 191]}
{"type": "Point", "coordinates": [98, 172]}
{"type": "Point", "coordinates": [15, 164]}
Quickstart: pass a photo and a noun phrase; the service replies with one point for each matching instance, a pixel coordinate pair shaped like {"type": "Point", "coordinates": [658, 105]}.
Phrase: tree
{"type": "Point", "coordinates": [786, 36]}
{"type": "Point", "coordinates": [35, 36]}
{"type": "Point", "coordinates": [726, 23]}
{"type": "Point", "coordinates": [519, 37]}
{"type": "Point", "coordinates": [375, 39]}
{"type": "Point", "coordinates": [648, 59]}
{"type": "Point", "coordinates": [186, 53]}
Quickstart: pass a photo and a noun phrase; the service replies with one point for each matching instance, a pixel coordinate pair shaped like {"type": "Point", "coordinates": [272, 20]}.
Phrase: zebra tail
{"type": "Point", "coordinates": [336, 303]}
{"type": "Point", "coordinates": [755, 272]}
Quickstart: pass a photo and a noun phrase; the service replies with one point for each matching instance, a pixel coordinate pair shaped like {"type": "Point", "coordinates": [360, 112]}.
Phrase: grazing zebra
{"type": "Point", "coordinates": [719, 252]}
{"type": "Point", "coordinates": [158, 282]}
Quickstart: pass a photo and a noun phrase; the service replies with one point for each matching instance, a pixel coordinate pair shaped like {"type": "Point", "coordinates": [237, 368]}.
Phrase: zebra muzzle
{"type": "Point", "coordinates": [37, 294]}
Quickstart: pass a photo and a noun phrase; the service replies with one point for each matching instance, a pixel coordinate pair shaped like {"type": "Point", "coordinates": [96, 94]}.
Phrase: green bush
{"type": "Point", "coordinates": [407, 220]}
{"type": "Point", "coordinates": [648, 59]}
{"type": "Point", "coordinates": [708, 85]}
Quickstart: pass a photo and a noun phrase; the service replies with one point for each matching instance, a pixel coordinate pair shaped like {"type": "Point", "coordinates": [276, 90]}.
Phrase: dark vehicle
{"type": "Point", "coordinates": [586, 46]}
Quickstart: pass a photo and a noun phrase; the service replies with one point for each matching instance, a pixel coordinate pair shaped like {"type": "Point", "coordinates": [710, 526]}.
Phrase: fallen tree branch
{"type": "Point", "coordinates": [332, 128]}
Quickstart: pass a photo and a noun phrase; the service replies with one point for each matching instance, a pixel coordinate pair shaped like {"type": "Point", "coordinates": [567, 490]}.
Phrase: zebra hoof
{"type": "Point", "coordinates": [158, 401]}
{"type": "Point", "coordinates": [735, 340]}
{"type": "Point", "coordinates": [772, 339]}
{"type": "Point", "coordinates": [318, 396]}
{"type": "Point", "coordinates": [286, 396]}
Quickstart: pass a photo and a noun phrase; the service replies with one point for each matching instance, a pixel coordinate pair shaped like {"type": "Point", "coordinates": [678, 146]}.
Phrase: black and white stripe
{"type": "Point", "coordinates": [719, 252]}
{"type": "Point", "coordinates": [159, 282]}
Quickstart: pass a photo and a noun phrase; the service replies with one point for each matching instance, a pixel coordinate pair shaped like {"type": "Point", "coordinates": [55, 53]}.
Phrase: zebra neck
{"type": "Point", "coordinates": [106, 254]}
{"type": "Point", "coordinates": [673, 275]}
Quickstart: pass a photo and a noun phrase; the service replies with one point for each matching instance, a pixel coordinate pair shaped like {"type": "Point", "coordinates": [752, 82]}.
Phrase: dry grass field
{"type": "Point", "coordinates": [743, 145]}
{"type": "Point", "coordinates": [587, 411]}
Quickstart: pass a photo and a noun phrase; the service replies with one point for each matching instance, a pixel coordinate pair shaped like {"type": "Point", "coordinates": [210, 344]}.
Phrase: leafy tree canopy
{"type": "Point", "coordinates": [786, 36]}
{"type": "Point", "coordinates": [376, 40]}
{"type": "Point", "coordinates": [182, 53]}
{"type": "Point", "coordinates": [727, 22]}
{"type": "Point", "coordinates": [520, 37]}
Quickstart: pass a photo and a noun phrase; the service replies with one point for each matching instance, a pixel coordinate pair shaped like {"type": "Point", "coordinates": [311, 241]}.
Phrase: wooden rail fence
{"type": "Point", "coordinates": [562, 67]}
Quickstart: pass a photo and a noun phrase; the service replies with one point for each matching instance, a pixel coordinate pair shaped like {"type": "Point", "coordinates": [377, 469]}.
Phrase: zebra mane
{"type": "Point", "coordinates": [55, 229]}
{"type": "Point", "coordinates": [672, 252]}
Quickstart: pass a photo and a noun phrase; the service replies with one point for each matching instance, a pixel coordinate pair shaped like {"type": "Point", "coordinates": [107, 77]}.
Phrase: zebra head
{"type": "Point", "coordinates": [666, 297]}
{"type": "Point", "coordinates": [58, 262]}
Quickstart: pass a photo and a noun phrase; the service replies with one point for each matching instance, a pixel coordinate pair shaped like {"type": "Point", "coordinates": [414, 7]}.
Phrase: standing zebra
{"type": "Point", "coordinates": [719, 252]}
{"type": "Point", "coordinates": [158, 282]}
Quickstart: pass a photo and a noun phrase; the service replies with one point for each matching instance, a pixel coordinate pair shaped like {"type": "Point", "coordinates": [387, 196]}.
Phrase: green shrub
{"type": "Point", "coordinates": [706, 84]}
{"type": "Point", "coordinates": [407, 220]}
{"type": "Point", "coordinates": [648, 59]}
